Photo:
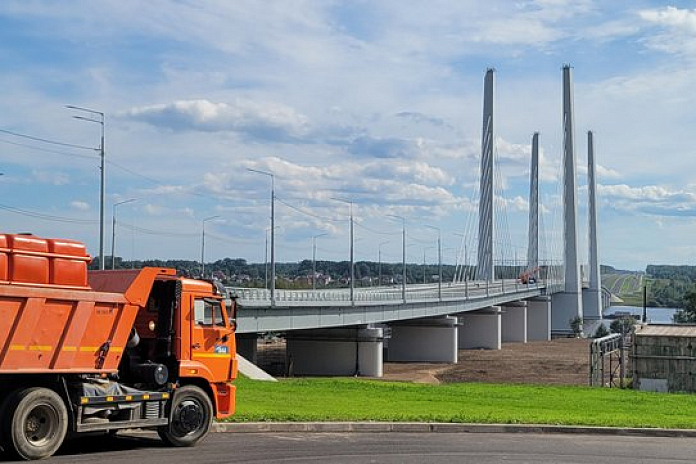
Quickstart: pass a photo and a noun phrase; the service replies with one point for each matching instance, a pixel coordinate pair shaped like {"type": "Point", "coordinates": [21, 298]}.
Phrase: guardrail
{"type": "Point", "coordinates": [384, 295]}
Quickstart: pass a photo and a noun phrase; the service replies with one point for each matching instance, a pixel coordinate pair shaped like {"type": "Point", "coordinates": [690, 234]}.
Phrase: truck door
{"type": "Point", "coordinates": [210, 337]}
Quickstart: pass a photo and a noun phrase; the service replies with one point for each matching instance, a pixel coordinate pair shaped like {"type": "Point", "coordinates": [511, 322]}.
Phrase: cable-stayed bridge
{"type": "Point", "coordinates": [350, 331]}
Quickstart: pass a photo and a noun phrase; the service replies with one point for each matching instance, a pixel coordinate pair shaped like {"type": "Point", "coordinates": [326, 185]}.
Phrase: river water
{"type": "Point", "coordinates": [655, 315]}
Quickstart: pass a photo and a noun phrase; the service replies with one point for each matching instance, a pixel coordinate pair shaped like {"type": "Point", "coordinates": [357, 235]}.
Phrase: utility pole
{"type": "Point", "coordinates": [113, 230]}
{"type": "Point", "coordinates": [379, 260]}
{"type": "Point", "coordinates": [403, 255]}
{"type": "Point", "coordinates": [203, 244]}
{"type": "Point", "coordinates": [352, 262]}
{"type": "Point", "coordinates": [273, 270]}
{"type": "Point", "coordinates": [314, 259]}
{"type": "Point", "coordinates": [98, 118]}
{"type": "Point", "coordinates": [439, 260]}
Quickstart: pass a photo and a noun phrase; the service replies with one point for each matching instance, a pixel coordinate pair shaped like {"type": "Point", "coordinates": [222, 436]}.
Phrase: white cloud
{"type": "Point", "coordinates": [255, 120]}
{"type": "Point", "coordinates": [679, 36]}
{"type": "Point", "coordinates": [50, 177]}
{"type": "Point", "coordinates": [80, 205]}
{"type": "Point", "coordinates": [671, 16]}
{"type": "Point", "coordinates": [651, 200]}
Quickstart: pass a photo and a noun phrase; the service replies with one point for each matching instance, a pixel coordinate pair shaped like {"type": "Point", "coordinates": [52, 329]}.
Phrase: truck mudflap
{"type": "Point", "coordinates": [224, 399]}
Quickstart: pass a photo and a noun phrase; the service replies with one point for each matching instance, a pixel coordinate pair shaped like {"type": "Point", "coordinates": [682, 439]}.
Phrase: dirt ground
{"type": "Point", "coordinates": [563, 361]}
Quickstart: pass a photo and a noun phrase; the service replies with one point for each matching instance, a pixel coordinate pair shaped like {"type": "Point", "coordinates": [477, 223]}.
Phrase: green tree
{"type": "Point", "coordinates": [623, 325]}
{"type": "Point", "coordinates": [687, 313]}
{"type": "Point", "coordinates": [601, 331]}
{"type": "Point", "coordinates": [576, 325]}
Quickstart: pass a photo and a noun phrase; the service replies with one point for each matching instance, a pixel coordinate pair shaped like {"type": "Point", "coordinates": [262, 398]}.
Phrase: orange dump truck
{"type": "Point", "coordinates": [106, 350]}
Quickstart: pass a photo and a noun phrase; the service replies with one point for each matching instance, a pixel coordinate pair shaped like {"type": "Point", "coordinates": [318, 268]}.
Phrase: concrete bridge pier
{"type": "Point", "coordinates": [514, 322]}
{"type": "Point", "coordinates": [539, 319]}
{"type": "Point", "coordinates": [340, 352]}
{"type": "Point", "coordinates": [247, 346]}
{"type": "Point", "coordinates": [565, 307]}
{"type": "Point", "coordinates": [424, 340]}
{"type": "Point", "coordinates": [481, 329]}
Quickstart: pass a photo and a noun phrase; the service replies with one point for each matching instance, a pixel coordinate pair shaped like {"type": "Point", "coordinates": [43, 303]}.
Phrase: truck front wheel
{"type": "Point", "coordinates": [191, 414]}
{"type": "Point", "coordinates": [35, 422]}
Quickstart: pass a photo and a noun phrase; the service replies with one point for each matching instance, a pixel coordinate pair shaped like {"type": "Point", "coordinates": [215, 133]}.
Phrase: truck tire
{"type": "Point", "coordinates": [191, 415]}
{"type": "Point", "coordinates": [35, 423]}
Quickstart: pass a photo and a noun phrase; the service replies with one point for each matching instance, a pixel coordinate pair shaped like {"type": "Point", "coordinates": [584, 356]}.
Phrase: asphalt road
{"type": "Point", "coordinates": [409, 448]}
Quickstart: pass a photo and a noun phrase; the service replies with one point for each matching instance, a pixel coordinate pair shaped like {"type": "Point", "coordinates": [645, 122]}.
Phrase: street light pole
{"type": "Point", "coordinates": [439, 260]}
{"type": "Point", "coordinates": [92, 115]}
{"type": "Point", "coordinates": [113, 230]}
{"type": "Point", "coordinates": [203, 244]}
{"type": "Point", "coordinates": [273, 270]}
{"type": "Point", "coordinates": [352, 262]}
{"type": "Point", "coordinates": [314, 259]}
{"type": "Point", "coordinates": [379, 265]}
{"type": "Point", "coordinates": [265, 262]}
{"type": "Point", "coordinates": [403, 255]}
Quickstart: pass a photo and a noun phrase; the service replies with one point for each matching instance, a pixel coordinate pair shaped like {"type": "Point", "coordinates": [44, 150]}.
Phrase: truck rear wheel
{"type": "Point", "coordinates": [35, 423]}
{"type": "Point", "coordinates": [190, 417]}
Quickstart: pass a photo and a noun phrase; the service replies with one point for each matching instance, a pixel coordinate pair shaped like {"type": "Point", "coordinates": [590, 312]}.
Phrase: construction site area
{"type": "Point", "coordinates": [562, 361]}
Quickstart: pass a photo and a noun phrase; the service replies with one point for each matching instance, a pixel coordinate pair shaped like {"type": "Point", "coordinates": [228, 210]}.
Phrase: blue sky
{"type": "Point", "coordinates": [378, 102]}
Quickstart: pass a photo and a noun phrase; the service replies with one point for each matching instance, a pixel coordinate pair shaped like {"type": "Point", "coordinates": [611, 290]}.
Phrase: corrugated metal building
{"type": "Point", "coordinates": [664, 358]}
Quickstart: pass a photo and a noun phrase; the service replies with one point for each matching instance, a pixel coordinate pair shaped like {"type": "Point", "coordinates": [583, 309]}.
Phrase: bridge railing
{"type": "Point", "coordinates": [382, 294]}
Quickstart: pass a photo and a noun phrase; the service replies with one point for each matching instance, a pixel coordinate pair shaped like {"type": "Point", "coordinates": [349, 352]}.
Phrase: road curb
{"type": "Point", "coordinates": [436, 427]}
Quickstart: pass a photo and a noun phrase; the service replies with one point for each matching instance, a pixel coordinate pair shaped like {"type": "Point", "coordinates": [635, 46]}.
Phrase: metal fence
{"type": "Point", "coordinates": [608, 361]}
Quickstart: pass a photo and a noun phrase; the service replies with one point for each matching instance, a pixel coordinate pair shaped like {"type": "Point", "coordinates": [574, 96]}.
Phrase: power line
{"type": "Point", "coordinates": [45, 217]}
{"type": "Point", "coordinates": [323, 218]}
{"type": "Point", "coordinates": [75, 155]}
{"type": "Point", "coordinates": [376, 231]}
{"type": "Point", "coordinates": [143, 230]}
{"type": "Point", "coordinates": [52, 142]}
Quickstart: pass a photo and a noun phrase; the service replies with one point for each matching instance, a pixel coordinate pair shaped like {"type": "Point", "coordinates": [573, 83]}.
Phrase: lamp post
{"type": "Point", "coordinates": [466, 264]}
{"type": "Point", "coordinates": [273, 279]}
{"type": "Point", "coordinates": [97, 117]}
{"type": "Point", "coordinates": [403, 255]}
{"type": "Point", "coordinates": [424, 250]}
{"type": "Point", "coordinates": [203, 244]}
{"type": "Point", "coordinates": [265, 262]}
{"type": "Point", "coordinates": [439, 259]}
{"type": "Point", "coordinates": [352, 263]}
{"type": "Point", "coordinates": [113, 230]}
{"type": "Point", "coordinates": [314, 259]}
{"type": "Point", "coordinates": [379, 262]}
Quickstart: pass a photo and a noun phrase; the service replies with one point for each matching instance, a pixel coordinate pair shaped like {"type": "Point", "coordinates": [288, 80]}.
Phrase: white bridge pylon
{"type": "Point", "coordinates": [430, 322]}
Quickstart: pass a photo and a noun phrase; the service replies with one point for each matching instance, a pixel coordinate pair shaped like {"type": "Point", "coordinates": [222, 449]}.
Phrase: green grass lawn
{"type": "Point", "coordinates": [344, 399]}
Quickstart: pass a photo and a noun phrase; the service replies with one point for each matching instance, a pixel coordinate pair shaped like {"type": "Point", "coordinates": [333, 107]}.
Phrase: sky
{"type": "Point", "coordinates": [377, 104]}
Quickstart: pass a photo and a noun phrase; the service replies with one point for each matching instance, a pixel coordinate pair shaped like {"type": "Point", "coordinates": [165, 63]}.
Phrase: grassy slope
{"type": "Point", "coordinates": [364, 400]}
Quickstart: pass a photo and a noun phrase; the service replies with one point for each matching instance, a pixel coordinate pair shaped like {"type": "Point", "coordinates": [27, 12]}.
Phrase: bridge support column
{"type": "Point", "coordinates": [424, 340]}
{"type": "Point", "coordinates": [480, 329]}
{"type": "Point", "coordinates": [592, 303]}
{"type": "Point", "coordinates": [564, 308]}
{"type": "Point", "coordinates": [514, 322]}
{"type": "Point", "coordinates": [592, 296]}
{"type": "Point", "coordinates": [567, 305]}
{"type": "Point", "coordinates": [247, 346]}
{"type": "Point", "coordinates": [539, 319]}
{"type": "Point", "coordinates": [346, 351]}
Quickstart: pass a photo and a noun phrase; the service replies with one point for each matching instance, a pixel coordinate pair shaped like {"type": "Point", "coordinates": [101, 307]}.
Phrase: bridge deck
{"type": "Point", "coordinates": [312, 309]}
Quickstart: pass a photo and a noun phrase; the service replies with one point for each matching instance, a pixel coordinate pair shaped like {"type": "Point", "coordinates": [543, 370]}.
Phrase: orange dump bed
{"type": "Point", "coordinates": [51, 320]}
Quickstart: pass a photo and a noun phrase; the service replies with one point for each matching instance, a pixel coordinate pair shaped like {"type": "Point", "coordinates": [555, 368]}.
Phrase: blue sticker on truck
{"type": "Point", "coordinates": [222, 349]}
